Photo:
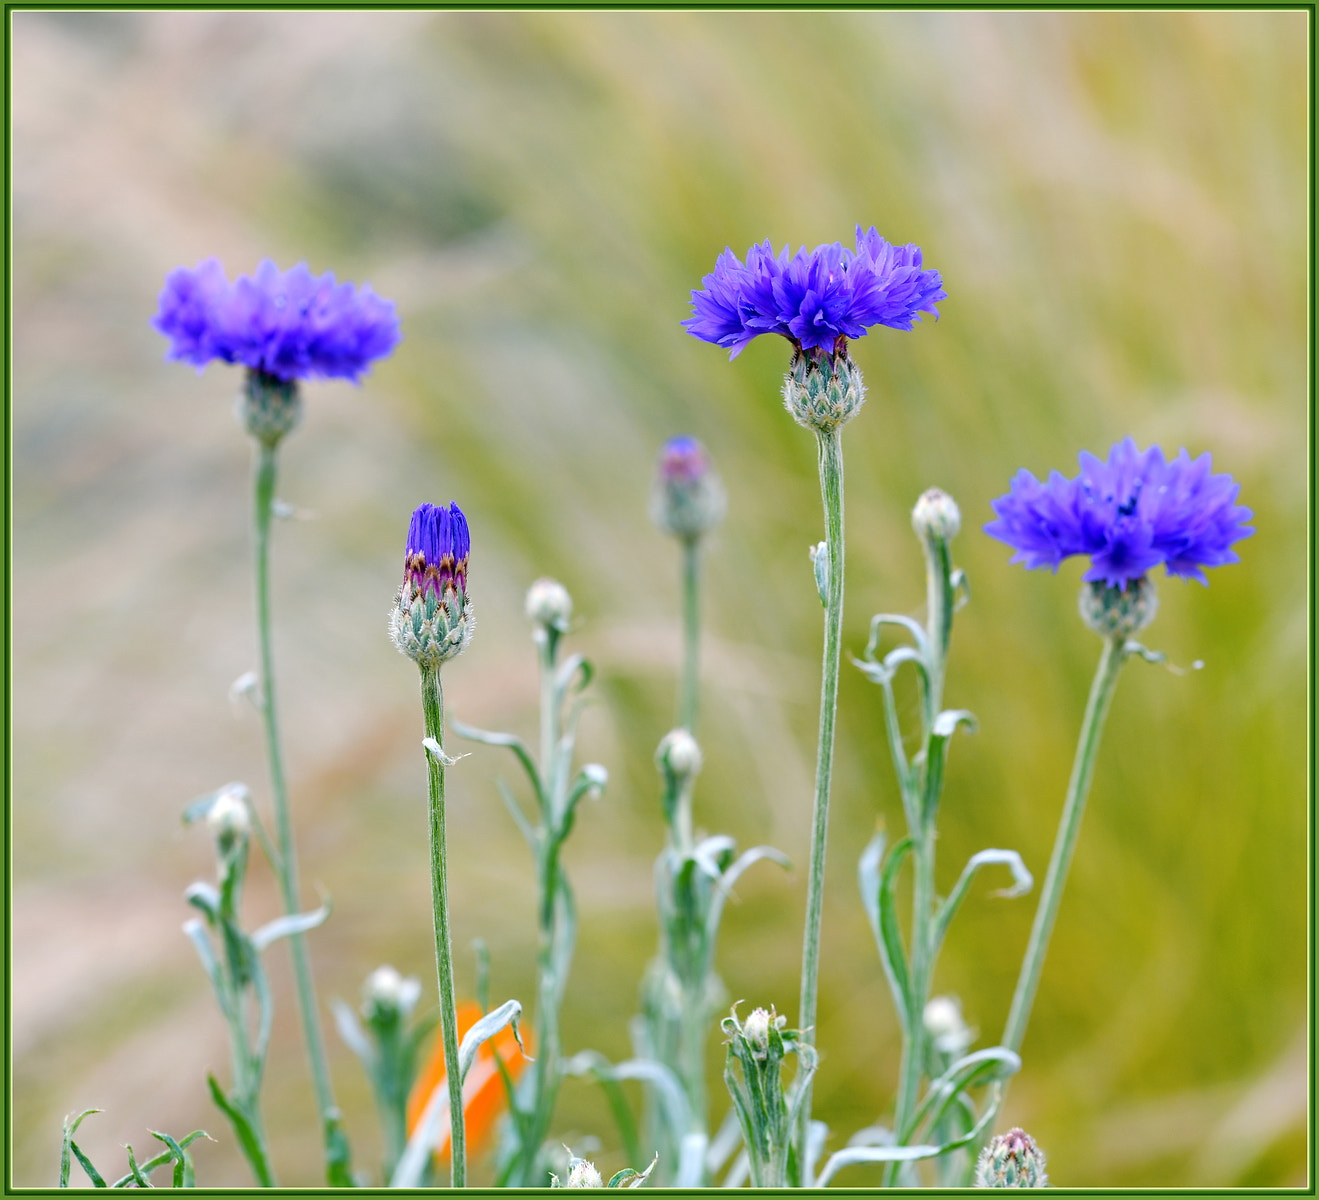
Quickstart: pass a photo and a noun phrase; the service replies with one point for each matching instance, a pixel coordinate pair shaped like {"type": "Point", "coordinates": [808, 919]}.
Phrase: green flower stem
{"type": "Point", "coordinates": [336, 1143]}
{"type": "Point", "coordinates": [691, 631]}
{"type": "Point", "coordinates": [830, 459]}
{"type": "Point", "coordinates": [1101, 694]}
{"type": "Point", "coordinates": [923, 807]}
{"type": "Point", "coordinates": [555, 923]}
{"type": "Point", "coordinates": [432, 704]}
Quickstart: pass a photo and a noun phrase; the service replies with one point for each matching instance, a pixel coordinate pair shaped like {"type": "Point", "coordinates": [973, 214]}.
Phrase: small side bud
{"type": "Point", "coordinates": [755, 1030]}
{"type": "Point", "coordinates": [679, 755]}
{"type": "Point", "coordinates": [1118, 612]}
{"type": "Point", "coordinates": [687, 499]}
{"type": "Point", "coordinates": [581, 1174]}
{"type": "Point", "coordinates": [944, 1023]}
{"type": "Point", "coordinates": [388, 996]}
{"type": "Point", "coordinates": [548, 603]}
{"type": "Point", "coordinates": [229, 819]}
{"type": "Point", "coordinates": [823, 392]}
{"type": "Point", "coordinates": [597, 778]}
{"type": "Point", "coordinates": [760, 1033]}
{"type": "Point", "coordinates": [936, 516]}
{"type": "Point", "coordinates": [1011, 1160]}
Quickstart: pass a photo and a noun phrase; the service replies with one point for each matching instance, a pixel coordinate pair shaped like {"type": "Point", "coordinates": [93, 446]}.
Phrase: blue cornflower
{"type": "Point", "coordinates": [438, 545]}
{"type": "Point", "coordinates": [1129, 514]}
{"type": "Point", "coordinates": [432, 617]}
{"type": "Point", "coordinates": [816, 299]}
{"type": "Point", "coordinates": [287, 325]}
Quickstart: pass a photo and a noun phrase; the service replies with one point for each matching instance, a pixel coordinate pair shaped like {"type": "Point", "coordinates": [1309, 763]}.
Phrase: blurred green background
{"type": "Point", "coordinates": [1118, 204]}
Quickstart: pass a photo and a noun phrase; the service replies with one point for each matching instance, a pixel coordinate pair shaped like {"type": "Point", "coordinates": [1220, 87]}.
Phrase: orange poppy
{"type": "Point", "coordinates": [484, 1097]}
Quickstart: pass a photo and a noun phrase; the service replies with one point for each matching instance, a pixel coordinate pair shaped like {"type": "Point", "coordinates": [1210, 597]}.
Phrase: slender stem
{"type": "Point", "coordinates": [830, 459]}
{"type": "Point", "coordinates": [921, 812]}
{"type": "Point", "coordinates": [542, 1076]}
{"type": "Point", "coordinates": [913, 1050]}
{"type": "Point", "coordinates": [1101, 693]}
{"type": "Point", "coordinates": [691, 632]}
{"type": "Point", "coordinates": [432, 704]}
{"type": "Point", "coordinates": [336, 1146]}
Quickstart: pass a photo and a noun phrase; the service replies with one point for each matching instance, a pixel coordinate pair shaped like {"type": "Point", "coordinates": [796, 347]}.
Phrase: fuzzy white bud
{"type": "Point", "coordinates": [680, 753]}
{"type": "Point", "coordinates": [229, 818]}
{"type": "Point", "coordinates": [583, 1174]}
{"type": "Point", "coordinates": [548, 603]}
{"type": "Point", "coordinates": [936, 515]}
{"type": "Point", "coordinates": [388, 991]}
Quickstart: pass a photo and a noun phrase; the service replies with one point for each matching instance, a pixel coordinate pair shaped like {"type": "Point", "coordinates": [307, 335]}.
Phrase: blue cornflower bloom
{"type": "Point", "coordinates": [432, 617]}
{"type": "Point", "coordinates": [438, 545]}
{"type": "Point", "coordinates": [816, 299]}
{"type": "Point", "coordinates": [1129, 514]}
{"type": "Point", "coordinates": [287, 325]}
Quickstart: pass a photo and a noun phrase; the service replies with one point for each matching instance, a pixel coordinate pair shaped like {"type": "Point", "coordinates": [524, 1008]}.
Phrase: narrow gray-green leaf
{"type": "Point", "coordinates": [86, 1163]}
{"type": "Point", "coordinates": [141, 1180]}
{"type": "Point", "coordinates": [350, 1032]}
{"type": "Point", "coordinates": [851, 1155]}
{"type": "Point", "coordinates": [1022, 882]}
{"type": "Point", "coordinates": [505, 1016]}
{"type": "Point", "coordinates": [70, 1128]}
{"type": "Point", "coordinates": [512, 742]}
{"type": "Point", "coordinates": [282, 927]}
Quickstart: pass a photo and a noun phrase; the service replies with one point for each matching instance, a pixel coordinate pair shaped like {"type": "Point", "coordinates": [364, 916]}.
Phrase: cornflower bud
{"type": "Point", "coordinates": [1118, 612]}
{"type": "Point", "coordinates": [936, 515]}
{"type": "Point", "coordinates": [1011, 1160]}
{"type": "Point", "coordinates": [548, 603]}
{"type": "Point", "coordinates": [679, 755]}
{"type": "Point", "coordinates": [943, 1022]}
{"type": "Point", "coordinates": [755, 1030]}
{"type": "Point", "coordinates": [432, 618]}
{"type": "Point", "coordinates": [687, 499]}
{"type": "Point", "coordinates": [583, 1174]}
{"type": "Point", "coordinates": [229, 819]}
{"type": "Point", "coordinates": [597, 779]}
{"type": "Point", "coordinates": [387, 996]}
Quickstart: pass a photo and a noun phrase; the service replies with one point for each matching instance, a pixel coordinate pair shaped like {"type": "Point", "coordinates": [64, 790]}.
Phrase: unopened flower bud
{"type": "Point", "coordinates": [823, 391]}
{"type": "Point", "coordinates": [1011, 1160]}
{"type": "Point", "coordinates": [583, 1174]}
{"type": "Point", "coordinates": [1114, 612]}
{"type": "Point", "coordinates": [755, 1029]}
{"type": "Point", "coordinates": [936, 515]}
{"type": "Point", "coordinates": [597, 777]}
{"type": "Point", "coordinates": [943, 1022]}
{"type": "Point", "coordinates": [679, 755]}
{"type": "Point", "coordinates": [687, 499]}
{"type": "Point", "coordinates": [229, 819]}
{"type": "Point", "coordinates": [432, 618]}
{"type": "Point", "coordinates": [548, 603]}
{"type": "Point", "coordinates": [387, 995]}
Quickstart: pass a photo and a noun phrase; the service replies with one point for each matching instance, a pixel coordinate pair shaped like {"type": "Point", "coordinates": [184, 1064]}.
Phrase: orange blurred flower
{"type": "Point", "coordinates": [484, 1098]}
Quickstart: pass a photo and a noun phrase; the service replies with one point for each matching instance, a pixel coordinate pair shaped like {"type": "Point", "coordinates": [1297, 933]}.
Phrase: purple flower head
{"type": "Point", "coordinates": [683, 461]}
{"type": "Point", "coordinates": [1129, 514]}
{"type": "Point", "coordinates": [687, 499]}
{"type": "Point", "coordinates": [436, 557]}
{"type": "Point", "coordinates": [290, 324]}
{"type": "Point", "coordinates": [816, 299]}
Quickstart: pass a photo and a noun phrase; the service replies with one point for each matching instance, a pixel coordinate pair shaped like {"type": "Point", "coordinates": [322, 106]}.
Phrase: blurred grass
{"type": "Point", "coordinates": [1118, 204]}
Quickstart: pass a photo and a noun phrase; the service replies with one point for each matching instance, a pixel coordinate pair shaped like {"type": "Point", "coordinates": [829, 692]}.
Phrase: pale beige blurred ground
{"type": "Point", "coordinates": [1118, 204]}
